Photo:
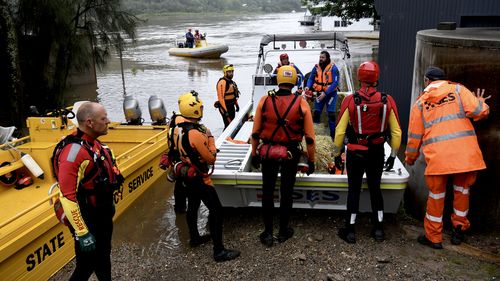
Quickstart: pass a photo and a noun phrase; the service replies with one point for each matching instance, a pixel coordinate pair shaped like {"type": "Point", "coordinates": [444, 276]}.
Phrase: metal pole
{"type": "Point", "coordinates": [121, 64]}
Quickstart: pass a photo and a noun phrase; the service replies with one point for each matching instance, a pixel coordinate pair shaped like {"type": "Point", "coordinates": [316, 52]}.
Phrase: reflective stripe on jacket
{"type": "Point", "coordinates": [440, 124]}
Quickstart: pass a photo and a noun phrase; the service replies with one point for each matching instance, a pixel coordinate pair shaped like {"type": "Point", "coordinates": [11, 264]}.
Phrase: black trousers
{"type": "Point", "coordinates": [370, 162]}
{"type": "Point", "coordinates": [231, 110]}
{"type": "Point", "coordinates": [270, 169]}
{"type": "Point", "coordinates": [197, 192]}
{"type": "Point", "coordinates": [180, 196]}
{"type": "Point", "coordinates": [98, 261]}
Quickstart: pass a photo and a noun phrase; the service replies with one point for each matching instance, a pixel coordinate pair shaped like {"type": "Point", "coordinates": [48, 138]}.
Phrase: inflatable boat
{"type": "Point", "coordinates": [201, 50]}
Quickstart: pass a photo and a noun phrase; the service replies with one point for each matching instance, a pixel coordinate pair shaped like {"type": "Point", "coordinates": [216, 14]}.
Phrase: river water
{"type": "Point", "coordinates": [149, 70]}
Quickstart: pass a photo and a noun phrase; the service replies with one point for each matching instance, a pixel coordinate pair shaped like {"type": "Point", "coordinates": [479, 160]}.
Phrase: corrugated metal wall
{"type": "Point", "coordinates": [399, 23]}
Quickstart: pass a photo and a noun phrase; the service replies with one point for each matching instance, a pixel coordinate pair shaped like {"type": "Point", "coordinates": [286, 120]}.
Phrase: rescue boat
{"type": "Point", "coordinates": [236, 182]}
{"type": "Point", "coordinates": [201, 50]}
{"type": "Point", "coordinates": [34, 245]}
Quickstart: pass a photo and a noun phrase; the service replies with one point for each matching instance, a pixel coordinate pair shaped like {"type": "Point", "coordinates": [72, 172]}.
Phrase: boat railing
{"type": "Point", "coordinates": [49, 198]}
{"type": "Point", "coordinates": [142, 147]}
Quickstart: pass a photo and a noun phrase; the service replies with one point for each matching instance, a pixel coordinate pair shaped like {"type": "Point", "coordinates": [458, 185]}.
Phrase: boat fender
{"type": "Point", "coordinates": [10, 178]}
{"type": "Point", "coordinates": [31, 164]}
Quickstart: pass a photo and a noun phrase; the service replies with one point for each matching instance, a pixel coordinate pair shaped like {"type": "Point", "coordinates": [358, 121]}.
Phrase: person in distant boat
{"type": "Point", "coordinates": [197, 38]}
{"type": "Point", "coordinates": [227, 96]}
{"type": "Point", "coordinates": [284, 60]}
{"type": "Point", "coordinates": [88, 176]}
{"type": "Point", "coordinates": [441, 129]}
{"type": "Point", "coordinates": [196, 147]}
{"type": "Point", "coordinates": [282, 120]}
{"type": "Point", "coordinates": [189, 39]}
{"type": "Point", "coordinates": [322, 85]}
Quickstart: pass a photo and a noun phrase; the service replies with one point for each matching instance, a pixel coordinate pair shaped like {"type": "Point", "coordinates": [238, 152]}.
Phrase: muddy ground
{"type": "Point", "coordinates": [314, 253]}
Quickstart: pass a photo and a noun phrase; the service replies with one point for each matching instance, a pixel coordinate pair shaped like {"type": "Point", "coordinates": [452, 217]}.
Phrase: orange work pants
{"type": "Point", "coordinates": [433, 221]}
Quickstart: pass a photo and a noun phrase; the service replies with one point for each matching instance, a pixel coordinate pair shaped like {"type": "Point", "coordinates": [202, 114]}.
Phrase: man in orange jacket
{"type": "Point", "coordinates": [227, 96]}
{"type": "Point", "coordinates": [440, 124]}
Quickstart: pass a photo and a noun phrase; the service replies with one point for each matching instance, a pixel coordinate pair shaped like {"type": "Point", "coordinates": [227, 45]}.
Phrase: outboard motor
{"type": "Point", "coordinates": [133, 113]}
{"type": "Point", "coordinates": [157, 110]}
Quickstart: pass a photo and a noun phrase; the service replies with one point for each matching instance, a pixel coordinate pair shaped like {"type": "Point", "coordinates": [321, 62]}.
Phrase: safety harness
{"type": "Point", "coordinates": [369, 119]}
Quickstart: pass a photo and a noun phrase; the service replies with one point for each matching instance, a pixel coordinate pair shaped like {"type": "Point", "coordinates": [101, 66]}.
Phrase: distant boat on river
{"type": "Point", "coordinates": [201, 50]}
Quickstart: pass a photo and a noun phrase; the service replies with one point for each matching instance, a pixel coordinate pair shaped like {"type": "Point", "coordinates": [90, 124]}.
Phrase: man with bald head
{"type": "Point", "coordinates": [87, 175]}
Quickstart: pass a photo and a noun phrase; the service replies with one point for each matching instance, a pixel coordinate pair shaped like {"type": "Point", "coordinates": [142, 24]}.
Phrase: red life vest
{"type": "Point", "coordinates": [282, 118]}
{"type": "Point", "coordinates": [369, 115]}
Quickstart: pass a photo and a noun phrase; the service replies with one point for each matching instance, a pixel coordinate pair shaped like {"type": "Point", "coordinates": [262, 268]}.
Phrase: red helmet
{"type": "Point", "coordinates": [368, 72]}
{"type": "Point", "coordinates": [283, 56]}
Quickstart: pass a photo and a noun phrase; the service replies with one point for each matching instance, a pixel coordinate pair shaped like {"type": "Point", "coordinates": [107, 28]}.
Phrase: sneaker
{"type": "Point", "coordinates": [285, 235]}
{"type": "Point", "coordinates": [378, 234]}
{"type": "Point", "coordinates": [267, 239]}
{"type": "Point", "coordinates": [457, 235]}
{"type": "Point", "coordinates": [199, 240]}
{"type": "Point", "coordinates": [422, 239]}
{"type": "Point", "coordinates": [226, 255]}
{"type": "Point", "coordinates": [347, 235]}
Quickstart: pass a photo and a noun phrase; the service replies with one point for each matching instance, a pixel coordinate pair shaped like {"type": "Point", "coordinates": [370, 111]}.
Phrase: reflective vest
{"type": "Point", "coordinates": [231, 92]}
{"type": "Point", "coordinates": [282, 119]}
{"type": "Point", "coordinates": [323, 79]}
{"type": "Point", "coordinates": [369, 116]}
{"type": "Point", "coordinates": [439, 122]}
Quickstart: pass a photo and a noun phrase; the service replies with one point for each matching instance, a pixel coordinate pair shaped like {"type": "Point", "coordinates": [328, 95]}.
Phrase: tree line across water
{"type": "Point", "coordinates": [148, 6]}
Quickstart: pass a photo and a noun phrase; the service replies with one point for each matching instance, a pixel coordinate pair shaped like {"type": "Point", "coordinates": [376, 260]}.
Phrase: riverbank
{"type": "Point", "coordinates": [314, 253]}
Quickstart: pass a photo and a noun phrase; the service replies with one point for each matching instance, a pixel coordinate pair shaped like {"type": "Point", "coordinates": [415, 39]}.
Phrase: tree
{"type": "Point", "coordinates": [346, 9]}
{"type": "Point", "coordinates": [54, 37]}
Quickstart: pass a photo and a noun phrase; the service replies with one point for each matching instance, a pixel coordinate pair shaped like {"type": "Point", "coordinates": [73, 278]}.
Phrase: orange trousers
{"type": "Point", "coordinates": [433, 221]}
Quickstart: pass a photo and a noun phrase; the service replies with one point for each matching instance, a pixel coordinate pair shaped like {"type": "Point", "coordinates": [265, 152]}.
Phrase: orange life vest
{"type": "Point", "coordinates": [282, 119]}
{"type": "Point", "coordinates": [323, 79]}
{"type": "Point", "coordinates": [439, 122]}
{"type": "Point", "coordinates": [231, 92]}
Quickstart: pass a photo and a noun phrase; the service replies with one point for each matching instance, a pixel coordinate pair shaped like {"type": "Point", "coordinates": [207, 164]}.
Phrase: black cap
{"type": "Point", "coordinates": [435, 73]}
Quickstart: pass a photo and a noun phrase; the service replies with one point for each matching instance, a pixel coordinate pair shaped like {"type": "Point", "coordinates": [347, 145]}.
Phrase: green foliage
{"type": "Point", "coordinates": [55, 37]}
{"type": "Point", "coordinates": [156, 6]}
{"type": "Point", "coordinates": [346, 9]}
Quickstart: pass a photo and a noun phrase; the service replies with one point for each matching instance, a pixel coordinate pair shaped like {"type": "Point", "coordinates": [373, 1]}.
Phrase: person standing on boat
{"type": "Point", "coordinates": [189, 39]}
{"type": "Point", "coordinates": [196, 147]}
{"type": "Point", "coordinates": [323, 81]}
{"type": "Point", "coordinates": [285, 60]}
{"type": "Point", "coordinates": [87, 177]}
{"type": "Point", "coordinates": [227, 96]}
{"type": "Point", "coordinates": [282, 120]}
{"type": "Point", "coordinates": [440, 126]}
{"type": "Point", "coordinates": [367, 118]}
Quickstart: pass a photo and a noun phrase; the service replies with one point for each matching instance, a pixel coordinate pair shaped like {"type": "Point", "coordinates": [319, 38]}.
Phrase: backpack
{"type": "Point", "coordinates": [369, 118]}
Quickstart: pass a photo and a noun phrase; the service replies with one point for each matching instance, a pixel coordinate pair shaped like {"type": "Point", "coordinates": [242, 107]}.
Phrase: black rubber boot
{"type": "Point", "coordinates": [457, 235]}
{"type": "Point", "coordinates": [195, 242]}
{"type": "Point", "coordinates": [378, 232]}
{"type": "Point", "coordinates": [285, 234]}
{"type": "Point", "coordinates": [347, 234]}
{"type": "Point", "coordinates": [226, 255]}
{"type": "Point", "coordinates": [422, 239]}
{"type": "Point", "coordinates": [266, 239]}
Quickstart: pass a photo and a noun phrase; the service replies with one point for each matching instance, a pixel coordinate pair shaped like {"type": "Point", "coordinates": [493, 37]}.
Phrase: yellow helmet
{"type": "Point", "coordinates": [190, 105]}
{"type": "Point", "coordinates": [287, 75]}
{"type": "Point", "coordinates": [227, 67]}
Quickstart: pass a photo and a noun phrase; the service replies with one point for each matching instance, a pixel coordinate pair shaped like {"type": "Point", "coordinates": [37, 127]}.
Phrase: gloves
{"type": "Point", "coordinates": [256, 162]}
{"type": "Point", "coordinates": [311, 169]}
{"type": "Point", "coordinates": [389, 164]}
{"type": "Point", "coordinates": [338, 162]}
{"type": "Point", "coordinates": [237, 107]}
{"type": "Point", "coordinates": [86, 242]}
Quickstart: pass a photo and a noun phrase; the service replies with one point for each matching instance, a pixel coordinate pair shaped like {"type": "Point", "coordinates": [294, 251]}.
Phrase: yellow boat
{"type": "Point", "coordinates": [33, 244]}
{"type": "Point", "coordinates": [201, 50]}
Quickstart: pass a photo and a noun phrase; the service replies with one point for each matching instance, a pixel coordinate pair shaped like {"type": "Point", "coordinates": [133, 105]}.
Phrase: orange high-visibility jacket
{"type": "Point", "coordinates": [440, 124]}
